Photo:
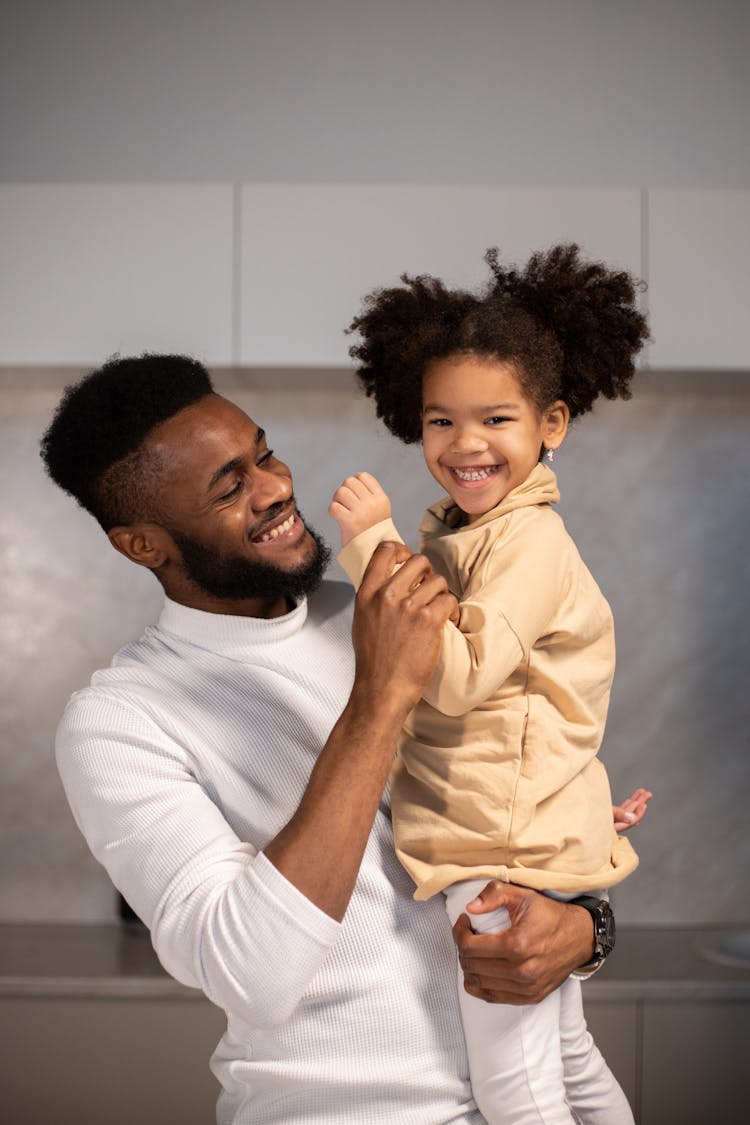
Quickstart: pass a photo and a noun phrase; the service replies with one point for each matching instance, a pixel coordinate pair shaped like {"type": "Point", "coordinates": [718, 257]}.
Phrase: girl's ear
{"type": "Point", "coordinates": [555, 424]}
{"type": "Point", "coordinates": [146, 544]}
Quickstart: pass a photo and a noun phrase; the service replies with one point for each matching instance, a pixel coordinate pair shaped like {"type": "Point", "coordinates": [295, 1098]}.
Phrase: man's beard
{"type": "Point", "coordinates": [238, 577]}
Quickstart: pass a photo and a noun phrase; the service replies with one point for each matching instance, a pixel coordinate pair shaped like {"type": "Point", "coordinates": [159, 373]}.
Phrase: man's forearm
{"type": "Point", "coordinates": [400, 612]}
{"type": "Point", "coordinates": [320, 850]}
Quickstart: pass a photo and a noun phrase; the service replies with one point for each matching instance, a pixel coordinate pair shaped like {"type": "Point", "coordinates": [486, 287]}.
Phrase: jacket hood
{"type": "Point", "coordinates": [540, 487]}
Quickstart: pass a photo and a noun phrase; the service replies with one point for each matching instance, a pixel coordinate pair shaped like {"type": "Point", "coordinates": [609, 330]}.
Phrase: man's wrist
{"type": "Point", "coordinates": [384, 710]}
{"type": "Point", "coordinates": [604, 933]}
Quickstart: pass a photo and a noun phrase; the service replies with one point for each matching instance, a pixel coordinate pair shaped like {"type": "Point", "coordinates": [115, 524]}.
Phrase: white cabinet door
{"type": "Point", "coordinates": [699, 278]}
{"type": "Point", "coordinates": [93, 269]}
{"type": "Point", "coordinates": [311, 252]}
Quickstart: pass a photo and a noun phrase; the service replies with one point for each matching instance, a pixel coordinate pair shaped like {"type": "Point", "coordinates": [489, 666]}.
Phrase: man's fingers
{"type": "Point", "coordinates": [385, 557]}
{"type": "Point", "coordinates": [491, 967]}
{"type": "Point", "coordinates": [419, 587]}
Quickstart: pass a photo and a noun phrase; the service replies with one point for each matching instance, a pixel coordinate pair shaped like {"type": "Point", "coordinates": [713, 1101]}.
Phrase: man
{"type": "Point", "coordinates": [229, 770]}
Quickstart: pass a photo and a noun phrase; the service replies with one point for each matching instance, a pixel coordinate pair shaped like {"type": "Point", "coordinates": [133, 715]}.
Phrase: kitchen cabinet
{"type": "Point", "coordinates": [108, 1061]}
{"type": "Point", "coordinates": [325, 246]}
{"type": "Point", "coordinates": [698, 250]}
{"type": "Point", "coordinates": [93, 269]}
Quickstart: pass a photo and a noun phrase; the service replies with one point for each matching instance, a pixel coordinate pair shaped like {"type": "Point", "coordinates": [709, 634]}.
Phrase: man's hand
{"type": "Point", "coordinates": [357, 504]}
{"type": "Point", "coordinates": [632, 810]}
{"type": "Point", "coordinates": [546, 942]}
{"type": "Point", "coordinates": [400, 612]}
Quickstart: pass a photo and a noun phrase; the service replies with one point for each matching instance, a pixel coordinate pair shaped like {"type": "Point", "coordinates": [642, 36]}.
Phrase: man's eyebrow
{"type": "Point", "coordinates": [235, 463]}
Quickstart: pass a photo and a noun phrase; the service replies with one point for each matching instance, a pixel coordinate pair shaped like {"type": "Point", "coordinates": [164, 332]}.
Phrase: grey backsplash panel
{"type": "Point", "coordinates": [655, 491]}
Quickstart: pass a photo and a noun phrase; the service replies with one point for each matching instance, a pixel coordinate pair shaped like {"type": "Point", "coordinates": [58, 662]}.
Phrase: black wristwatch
{"type": "Point", "coordinates": [603, 918]}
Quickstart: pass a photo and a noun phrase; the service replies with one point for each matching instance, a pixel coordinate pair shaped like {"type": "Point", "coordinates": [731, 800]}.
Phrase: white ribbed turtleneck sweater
{"type": "Point", "coordinates": [180, 762]}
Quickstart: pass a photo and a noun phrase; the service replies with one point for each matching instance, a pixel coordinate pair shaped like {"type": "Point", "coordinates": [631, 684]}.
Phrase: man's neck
{"type": "Point", "coordinates": [192, 598]}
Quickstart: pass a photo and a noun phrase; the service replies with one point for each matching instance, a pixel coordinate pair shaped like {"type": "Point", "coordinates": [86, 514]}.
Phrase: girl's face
{"type": "Point", "coordinates": [481, 435]}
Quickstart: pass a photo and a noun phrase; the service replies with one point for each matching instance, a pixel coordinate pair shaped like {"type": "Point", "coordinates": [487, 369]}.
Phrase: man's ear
{"type": "Point", "coordinates": [146, 544]}
{"type": "Point", "coordinates": [555, 424]}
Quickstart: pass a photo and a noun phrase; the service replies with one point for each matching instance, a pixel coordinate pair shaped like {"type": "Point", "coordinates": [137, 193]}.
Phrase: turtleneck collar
{"type": "Point", "coordinates": [234, 637]}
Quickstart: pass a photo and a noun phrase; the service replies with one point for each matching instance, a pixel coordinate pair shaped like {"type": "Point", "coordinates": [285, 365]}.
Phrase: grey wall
{"type": "Point", "coordinates": [579, 95]}
{"type": "Point", "coordinates": [655, 493]}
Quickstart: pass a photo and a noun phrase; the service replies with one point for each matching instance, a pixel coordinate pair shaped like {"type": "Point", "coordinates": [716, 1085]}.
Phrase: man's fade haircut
{"type": "Point", "coordinates": [93, 448]}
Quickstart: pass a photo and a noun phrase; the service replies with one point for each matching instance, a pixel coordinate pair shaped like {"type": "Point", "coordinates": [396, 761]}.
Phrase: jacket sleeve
{"type": "Point", "coordinates": [355, 556]}
{"type": "Point", "coordinates": [507, 607]}
{"type": "Point", "coordinates": [222, 918]}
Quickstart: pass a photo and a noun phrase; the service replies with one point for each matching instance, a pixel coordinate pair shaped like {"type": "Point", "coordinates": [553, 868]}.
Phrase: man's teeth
{"type": "Point", "coordinates": [275, 532]}
{"type": "Point", "coordinates": [474, 474]}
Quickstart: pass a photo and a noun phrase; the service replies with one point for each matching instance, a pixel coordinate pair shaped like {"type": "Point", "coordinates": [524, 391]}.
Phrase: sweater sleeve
{"type": "Point", "coordinates": [506, 608]}
{"type": "Point", "coordinates": [355, 556]}
{"type": "Point", "coordinates": [222, 918]}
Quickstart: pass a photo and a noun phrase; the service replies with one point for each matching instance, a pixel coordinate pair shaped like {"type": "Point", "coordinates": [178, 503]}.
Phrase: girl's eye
{"type": "Point", "coordinates": [496, 420]}
{"type": "Point", "coordinates": [440, 422]}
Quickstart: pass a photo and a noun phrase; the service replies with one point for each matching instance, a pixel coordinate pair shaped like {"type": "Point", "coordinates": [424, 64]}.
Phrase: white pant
{"type": "Point", "coordinates": [533, 1064]}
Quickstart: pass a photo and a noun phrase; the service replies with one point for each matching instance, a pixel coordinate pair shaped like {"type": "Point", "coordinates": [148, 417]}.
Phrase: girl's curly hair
{"type": "Point", "coordinates": [570, 328]}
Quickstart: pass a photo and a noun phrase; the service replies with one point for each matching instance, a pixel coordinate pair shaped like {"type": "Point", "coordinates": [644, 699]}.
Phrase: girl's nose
{"type": "Point", "coordinates": [469, 441]}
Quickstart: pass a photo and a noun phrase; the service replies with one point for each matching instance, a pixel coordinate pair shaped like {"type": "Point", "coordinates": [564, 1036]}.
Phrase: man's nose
{"type": "Point", "coordinates": [269, 489]}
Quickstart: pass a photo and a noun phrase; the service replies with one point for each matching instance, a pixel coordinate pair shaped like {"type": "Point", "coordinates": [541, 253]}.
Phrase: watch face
{"type": "Point", "coordinates": [606, 934]}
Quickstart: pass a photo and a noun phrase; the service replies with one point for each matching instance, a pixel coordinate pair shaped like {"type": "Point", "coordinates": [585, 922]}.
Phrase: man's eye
{"type": "Point", "coordinates": [265, 457]}
{"type": "Point", "coordinates": [232, 491]}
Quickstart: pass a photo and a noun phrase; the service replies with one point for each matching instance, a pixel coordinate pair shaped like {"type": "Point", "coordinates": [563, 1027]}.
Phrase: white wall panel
{"type": "Point", "coordinates": [699, 249]}
{"type": "Point", "coordinates": [310, 253]}
{"type": "Point", "coordinates": [90, 269]}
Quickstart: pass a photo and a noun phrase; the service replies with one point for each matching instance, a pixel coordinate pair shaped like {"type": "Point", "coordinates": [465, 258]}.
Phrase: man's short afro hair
{"type": "Point", "coordinates": [102, 421]}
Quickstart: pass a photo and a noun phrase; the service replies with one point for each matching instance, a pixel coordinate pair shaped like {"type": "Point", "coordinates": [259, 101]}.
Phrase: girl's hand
{"type": "Point", "coordinates": [632, 810]}
{"type": "Point", "coordinates": [359, 503]}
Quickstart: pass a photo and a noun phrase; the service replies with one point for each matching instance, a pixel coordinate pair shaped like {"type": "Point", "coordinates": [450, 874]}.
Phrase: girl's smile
{"type": "Point", "coordinates": [474, 477]}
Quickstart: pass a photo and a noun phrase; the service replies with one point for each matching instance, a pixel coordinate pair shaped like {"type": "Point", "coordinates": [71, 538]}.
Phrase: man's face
{"type": "Point", "coordinates": [241, 544]}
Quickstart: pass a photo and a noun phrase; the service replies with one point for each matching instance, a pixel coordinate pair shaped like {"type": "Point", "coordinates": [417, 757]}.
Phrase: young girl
{"type": "Point", "coordinates": [497, 775]}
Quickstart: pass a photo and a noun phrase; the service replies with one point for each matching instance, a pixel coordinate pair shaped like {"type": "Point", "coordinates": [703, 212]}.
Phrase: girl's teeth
{"type": "Point", "coordinates": [275, 532]}
{"type": "Point", "coordinates": [474, 474]}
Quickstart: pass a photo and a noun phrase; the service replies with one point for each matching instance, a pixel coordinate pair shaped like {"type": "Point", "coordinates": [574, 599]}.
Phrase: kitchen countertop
{"type": "Point", "coordinates": [114, 961]}
{"type": "Point", "coordinates": [91, 960]}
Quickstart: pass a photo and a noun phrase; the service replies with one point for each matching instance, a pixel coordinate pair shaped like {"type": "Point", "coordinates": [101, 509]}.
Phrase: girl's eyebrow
{"type": "Point", "coordinates": [435, 408]}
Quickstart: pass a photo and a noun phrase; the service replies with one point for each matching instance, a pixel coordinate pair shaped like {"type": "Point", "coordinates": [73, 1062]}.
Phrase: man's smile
{"type": "Point", "coordinates": [286, 529]}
